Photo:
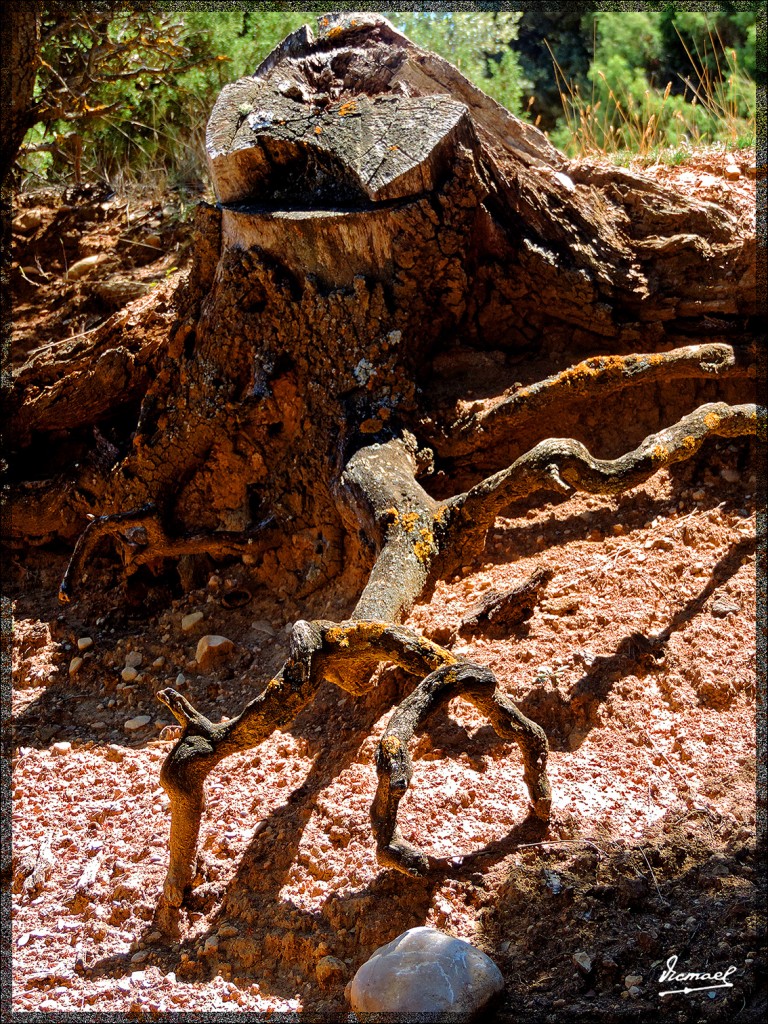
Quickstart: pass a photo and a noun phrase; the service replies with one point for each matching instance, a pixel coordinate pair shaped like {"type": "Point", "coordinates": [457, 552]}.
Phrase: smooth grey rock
{"type": "Point", "coordinates": [426, 971]}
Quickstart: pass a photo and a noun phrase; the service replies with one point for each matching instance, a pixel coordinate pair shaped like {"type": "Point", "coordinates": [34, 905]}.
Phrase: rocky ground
{"type": "Point", "coordinates": [650, 853]}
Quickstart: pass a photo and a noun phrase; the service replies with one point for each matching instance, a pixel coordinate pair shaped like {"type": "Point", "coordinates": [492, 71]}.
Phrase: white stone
{"type": "Point", "coordinates": [134, 724]}
{"type": "Point", "coordinates": [84, 643]}
{"type": "Point", "coordinates": [129, 674]}
{"type": "Point", "coordinates": [60, 749]}
{"type": "Point", "coordinates": [425, 971]}
{"type": "Point", "coordinates": [190, 621]}
{"type": "Point", "coordinates": [211, 650]}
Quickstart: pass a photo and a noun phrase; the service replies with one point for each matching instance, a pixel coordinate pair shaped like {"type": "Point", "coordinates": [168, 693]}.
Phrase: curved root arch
{"type": "Point", "coordinates": [344, 654]}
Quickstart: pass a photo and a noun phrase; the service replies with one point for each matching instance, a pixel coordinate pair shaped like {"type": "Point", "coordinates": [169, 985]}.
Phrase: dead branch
{"type": "Point", "coordinates": [507, 610]}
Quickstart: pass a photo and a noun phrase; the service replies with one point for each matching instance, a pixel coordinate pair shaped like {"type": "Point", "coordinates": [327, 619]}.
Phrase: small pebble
{"type": "Point", "coordinates": [75, 665]}
{"type": "Point", "coordinates": [129, 674]}
{"type": "Point", "coordinates": [133, 659]}
{"type": "Point", "coordinates": [212, 650]}
{"type": "Point", "coordinates": [722, 607]}
{"type": "Point", "coordinates": [582, 961]}
{"type": "Point", "coordinates": [134, 724]}
{"type": "Point", "coordinates": [190, 621]}
{"type": "Point", "coordinates": [84, 643]}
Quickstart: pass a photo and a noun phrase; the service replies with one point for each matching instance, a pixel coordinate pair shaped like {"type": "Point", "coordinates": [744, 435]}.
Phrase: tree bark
{"type": "Point", "coordinates": [20, 48]}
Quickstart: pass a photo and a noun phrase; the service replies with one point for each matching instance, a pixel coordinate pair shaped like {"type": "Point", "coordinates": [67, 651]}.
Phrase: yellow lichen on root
{"type": "Point", "coordinates": [390, 745]}
{"type": "Point", "coordinates": [712, 420]}
{"type": "Point", "coordinates": [421, 551]}
{"type": "Point", "coordinates": [409, 521]}
{"type": "Point", "coordinates": [660, 453]}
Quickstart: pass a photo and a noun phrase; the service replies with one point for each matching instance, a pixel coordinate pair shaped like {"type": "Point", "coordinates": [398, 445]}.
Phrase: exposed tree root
{"type": "Point", "coordinates": [508, 610]}
{"type": "Point", "coordinates": [141, 539]}
{"type": "Point", "coordinates": [589, 380]}
{"type": "Point", "coordinates": [344, 654]}
{"type": "Point", "coordinates": [337, 264]}
{"type": "Point", "coordinates": [564, 465]}
{"type": "Point", "coordinates": [411, 531]}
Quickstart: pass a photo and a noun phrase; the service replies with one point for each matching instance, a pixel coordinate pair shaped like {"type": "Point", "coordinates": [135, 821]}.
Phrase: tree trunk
{"type": "Point", "coordinates": [382, 225]}
{"type": "Point", "coordinates": [21, 58]}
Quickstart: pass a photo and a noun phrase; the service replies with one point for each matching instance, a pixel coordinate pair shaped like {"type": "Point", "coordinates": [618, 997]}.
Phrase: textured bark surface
{"type": "Point", "coordinates": [20, 49]}
{"type": "Point", "coordinates": [379, 215]}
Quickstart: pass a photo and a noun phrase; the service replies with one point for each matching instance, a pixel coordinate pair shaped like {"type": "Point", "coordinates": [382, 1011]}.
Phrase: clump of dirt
{"type": "Point", "coordinates": [638, 660]}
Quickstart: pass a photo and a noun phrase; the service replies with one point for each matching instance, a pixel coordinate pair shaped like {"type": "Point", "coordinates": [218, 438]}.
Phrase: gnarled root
{"type": "Point", "coordinates": [142, 538]}
{"type": "Point", "coordinates": [339, 653]}
{"type": "Point", "coordinates": [394, 767]}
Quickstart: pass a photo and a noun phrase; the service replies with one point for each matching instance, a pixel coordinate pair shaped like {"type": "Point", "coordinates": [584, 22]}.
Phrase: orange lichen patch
{"type": "Point", "coordinates": [409, 521]}
{"type": "Point", "coordinates": [425, 547]}
{"type": "Point", "coordinates": [660, 453]}
{"type": "Point", "coordinates": [347, 108]}
{"type": "Point", "coordinates": [391, 745]}
{"type": "Point", "coordinates": [392, 515]}
{"type": "Point", "coordinates": [318, 130]}
{"type": "Point", "coordinates": [712, 420]}
{"type": "Point", "coordinates": [392, 148]}
{"type": "Point", "coordinates": [422, 550]}
{"type": "Point", "coordinates": [359, 632]}
{"type": "Point", "coordinates": [434, 655]}
{"type": "Point", "coordinates": [688, 444]}
{"type": "Point", "coordinates": [275, 684]}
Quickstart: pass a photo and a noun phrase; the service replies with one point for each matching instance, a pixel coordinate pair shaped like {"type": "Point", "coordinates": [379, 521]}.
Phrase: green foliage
{"type": "Point", "coordinates": [479, 43]}
{"type": "Point", "coordinates": [126, 88]}
{"type": "Point", "coordinates": [635, 101]}
{"type": "Point", "coordinates": [562, 38]}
